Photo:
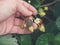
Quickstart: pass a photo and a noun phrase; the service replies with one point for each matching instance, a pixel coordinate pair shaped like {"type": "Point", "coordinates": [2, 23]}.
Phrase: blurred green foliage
{"type": "Point", "coordinates": [57, 39]}
{"type": "Point", "coordinates": [45, 39]}
{"type": "Point", "coordinates": [8, 40]}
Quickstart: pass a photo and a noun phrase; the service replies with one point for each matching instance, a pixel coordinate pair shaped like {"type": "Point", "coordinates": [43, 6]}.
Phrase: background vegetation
{"type": "Point", "coordinates": [50, 10]}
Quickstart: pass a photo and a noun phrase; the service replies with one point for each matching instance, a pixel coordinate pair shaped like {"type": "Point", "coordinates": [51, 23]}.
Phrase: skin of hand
{"type": "Point", "coordinates": [11, 8]}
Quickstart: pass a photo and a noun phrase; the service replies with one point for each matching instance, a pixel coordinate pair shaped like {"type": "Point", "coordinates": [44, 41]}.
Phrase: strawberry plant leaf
{"type": "Point", "coordinates": [24, 39]}
{"type": "Point", "coordinates": [8, 40]}
{"type": "Point", "coordinates": [51, 28]}
{"type": "Point", "coordinates": [58, 22]}
{"type": "Point", "coordinates": [44, 39]}
{"type": "Point", "coordinates": [57, 39]}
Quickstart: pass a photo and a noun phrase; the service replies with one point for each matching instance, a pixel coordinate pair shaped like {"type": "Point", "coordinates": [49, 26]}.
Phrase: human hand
{"type": "Point", "coordinates": [11, 8]}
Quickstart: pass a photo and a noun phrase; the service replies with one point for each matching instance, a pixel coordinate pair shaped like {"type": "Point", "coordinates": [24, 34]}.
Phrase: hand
{"type": "Point", "coordinates": [11, 8]}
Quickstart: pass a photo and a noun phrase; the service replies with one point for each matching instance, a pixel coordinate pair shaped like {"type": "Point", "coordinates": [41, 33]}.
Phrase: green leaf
{"type": "Point", "coordinates": [24, 39]}
{"type": "Point", "coordinates": [51, 28]}
{"type": "Point", "coordinates": [8, 40]}
{"type": "Point", "coordinates": [35, 3]}
{"type": "Point", "coordinates": [6, 36]}
{"type": "Point", "coordinates": [56, 9]}
{"type": "Point", "coordinates": [44, 39]}
{"type": "Point", "coordinates": [58, 22]}
{"type": "Point", "coordinates": [57, 39]}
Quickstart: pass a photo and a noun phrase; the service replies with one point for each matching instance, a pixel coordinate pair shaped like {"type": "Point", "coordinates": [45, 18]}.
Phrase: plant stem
{"type": "Point", "coordinates": [50, 3]}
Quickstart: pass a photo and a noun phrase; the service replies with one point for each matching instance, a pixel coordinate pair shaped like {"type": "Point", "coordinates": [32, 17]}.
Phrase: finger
{"type": "Point", "coordinates": [24, 11]}
{"type": "Point", "coordinates": [31, 8]}
{"type": "Point", "coordinates": [35, 26]}
{"type": "Point", "coordinates": [19, 22]}
{"type": "Point", "coordinates": [18, 30]}
{"type": "Point", "coordinates": [31, 18]}
{"type": "Point", "coordinates": [17, 14]}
